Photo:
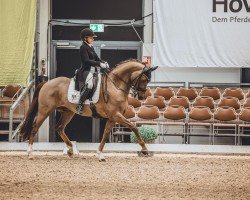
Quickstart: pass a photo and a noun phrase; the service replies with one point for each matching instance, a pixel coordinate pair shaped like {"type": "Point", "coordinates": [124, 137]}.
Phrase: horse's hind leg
{"type": "Point", "coordinates": [41, 116]}
{"type": "Point", "coordinates": [66, 116]}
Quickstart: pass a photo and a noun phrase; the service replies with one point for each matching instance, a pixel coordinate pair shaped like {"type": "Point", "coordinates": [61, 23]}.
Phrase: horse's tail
{"type": "Point", "coordinates": [26, 128]}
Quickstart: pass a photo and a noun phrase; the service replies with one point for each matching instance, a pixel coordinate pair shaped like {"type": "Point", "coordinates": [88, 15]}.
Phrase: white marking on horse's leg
{"type": "Point", "coordinates": [30, 151]}
{"type": "Point", "coordinates": [100, 156]}
{"type": "Point", "coordinates": [30, 148]}
{"type": "Point", "coordinates": [71, 150]}
{"type": "Point", "coordinates": [75, 149]}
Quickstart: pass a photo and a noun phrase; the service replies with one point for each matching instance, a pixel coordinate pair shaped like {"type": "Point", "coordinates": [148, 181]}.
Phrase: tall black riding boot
{"type": "Point", "coordinates": [83, 97]}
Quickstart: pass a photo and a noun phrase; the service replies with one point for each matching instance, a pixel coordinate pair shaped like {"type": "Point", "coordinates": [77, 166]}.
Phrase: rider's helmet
{"type": "Point", "coordinates": [86, 32]}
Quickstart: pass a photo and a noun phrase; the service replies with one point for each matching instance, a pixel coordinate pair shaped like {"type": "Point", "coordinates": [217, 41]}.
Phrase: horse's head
{"type": "Point", "coordinates": [140, 80]}
{"type": "Point", "coordinates": [135, 74]}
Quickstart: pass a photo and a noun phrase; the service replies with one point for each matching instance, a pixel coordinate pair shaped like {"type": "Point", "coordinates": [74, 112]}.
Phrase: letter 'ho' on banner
{"type": "Point", "coordinates": [207, 33]}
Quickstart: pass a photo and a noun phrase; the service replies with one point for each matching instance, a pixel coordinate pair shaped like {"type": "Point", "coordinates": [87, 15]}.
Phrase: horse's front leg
{"type": "Point", "coordinates": [119, 118]}
{"type": "Point", "coordinates": [108, 127]}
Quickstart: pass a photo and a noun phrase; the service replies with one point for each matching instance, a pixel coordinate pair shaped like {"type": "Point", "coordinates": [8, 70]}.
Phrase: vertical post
{"type": "Point", "coordinates": [148, 28]}
{"type": "Point", "coordinates": [44, 14]}
{"type": "Point", "coordinates": [10, 124]}
{"type": "Point", "coordinates": [147, 47]}
{"type": "Point", "coordinates": [148, 21]}
{"type": "Point", "coordinates": [95, 130]}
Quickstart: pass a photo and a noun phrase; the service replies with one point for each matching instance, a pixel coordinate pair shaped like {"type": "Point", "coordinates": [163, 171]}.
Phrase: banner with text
{"type": "Point", "coordinates": [207, 33]}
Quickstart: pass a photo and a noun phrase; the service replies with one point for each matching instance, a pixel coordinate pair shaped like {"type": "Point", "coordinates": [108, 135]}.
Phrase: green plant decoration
{"type": "Point", "coordinates": [147, 133]}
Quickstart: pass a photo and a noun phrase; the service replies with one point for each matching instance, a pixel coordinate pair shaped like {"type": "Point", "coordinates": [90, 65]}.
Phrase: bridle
{"type": "Point", "coordinates": [134, 84]}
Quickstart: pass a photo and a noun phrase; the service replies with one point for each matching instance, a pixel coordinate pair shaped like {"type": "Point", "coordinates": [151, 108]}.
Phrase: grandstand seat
{"type": "Point", "coordinates": [245, 115]}
{"type": "Point", "coordinates": [167, 93]}
{"type": "Point", "coordinates": [134, 102]}
{"type": "Point", "coordinates": [200, 113]}
{"type": "Point", "coordinates": [226, 119]}
{"type": "Point", "coordinates": [155, 101]}
{"type": "Point", "coordinates": [190, 93]}
{"type": "Point", "coordinates": [148, 112]}
{"type": "Point", "coordinates": [246, 103]}
{"type": "Point", "coordinates": [148, 115]}
{"type": "Point", "coordinates": [12, 91]}
{"type": "Point", "coordinates": [198, 118]}
{"type": "Point", "coordinates": [244, 122]}
{"type": "Point", "coordinates": [230, 102]}
{"type": "Point", "coordinates": [9, 94]}
{"type": "Point", "coordinates": [180, 101]}
{"type": "Point", "coordinates": [234, 92]}
{"type": "Point", "coordinates": [175, 112]}
{"type": "Point", "coordinates": [225, 114]}
{"type": "Point", "coordinates": [204, 101]}
{"type": "Point", "coordinates": [213, 92]}
{"type": "Point", "coordinates": [174, 116]}
{"type": "Point", "coordinates": [247, 94]}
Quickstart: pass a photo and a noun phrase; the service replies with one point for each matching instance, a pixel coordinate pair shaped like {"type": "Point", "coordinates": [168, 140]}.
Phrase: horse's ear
{"type": "Point", "coordinates": [153, 68]}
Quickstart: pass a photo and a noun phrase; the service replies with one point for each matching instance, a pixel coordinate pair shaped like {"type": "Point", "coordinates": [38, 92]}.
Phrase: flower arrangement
{"type": "Point", "coordinates": [147, 133]}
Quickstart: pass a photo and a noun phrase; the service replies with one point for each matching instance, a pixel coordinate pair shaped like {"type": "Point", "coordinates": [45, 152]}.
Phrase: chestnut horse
{"type": "Point", "coordinates": [113, 101]}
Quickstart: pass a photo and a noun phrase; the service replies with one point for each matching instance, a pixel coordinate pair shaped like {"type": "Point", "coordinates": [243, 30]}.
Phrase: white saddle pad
{"type": "Point", "coordinates": [73, 95]}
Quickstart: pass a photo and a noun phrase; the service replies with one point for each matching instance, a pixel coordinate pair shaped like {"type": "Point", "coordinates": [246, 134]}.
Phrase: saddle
{"type": "Point", "coordinates": [77, 85]}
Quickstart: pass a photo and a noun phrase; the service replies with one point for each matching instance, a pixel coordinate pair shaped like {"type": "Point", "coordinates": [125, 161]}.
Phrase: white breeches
{"type": "Point", "coordinates": [89, 80]}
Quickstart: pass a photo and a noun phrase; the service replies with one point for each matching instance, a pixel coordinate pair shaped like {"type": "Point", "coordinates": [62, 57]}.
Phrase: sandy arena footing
{"type": "Point", "coordinates": [52, 175]}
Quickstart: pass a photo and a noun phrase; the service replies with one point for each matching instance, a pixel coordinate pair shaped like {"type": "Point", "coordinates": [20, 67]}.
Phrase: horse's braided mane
{"type": "Point", "coordinates": [129, 60]}
{"type": "Point", "coordinates": [125, 61]}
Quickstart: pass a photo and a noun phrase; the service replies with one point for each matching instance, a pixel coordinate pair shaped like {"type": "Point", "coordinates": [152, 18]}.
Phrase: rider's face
{"type": "Point", "coordinates": [90, 40]}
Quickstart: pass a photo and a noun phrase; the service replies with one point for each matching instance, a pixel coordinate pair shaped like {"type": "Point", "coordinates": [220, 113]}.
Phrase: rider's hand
{"type": "Point", "coordinates": [107, 65]}
{"type": "Point", "coordinates": [104, 65]}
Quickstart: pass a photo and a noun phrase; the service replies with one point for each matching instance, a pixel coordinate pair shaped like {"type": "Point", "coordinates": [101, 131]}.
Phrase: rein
{"type": "Point", "coordinates": [133, 84]}
{"type": "Point", "coordinates": [116, 84]}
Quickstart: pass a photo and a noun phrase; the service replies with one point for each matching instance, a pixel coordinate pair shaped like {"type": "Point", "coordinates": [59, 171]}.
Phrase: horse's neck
{"type": "Point", "coordinates": [124, 72]}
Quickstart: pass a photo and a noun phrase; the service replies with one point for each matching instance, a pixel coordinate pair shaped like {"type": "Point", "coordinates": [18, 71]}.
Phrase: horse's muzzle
{"type": "Point", "coordinates": [141, 95]}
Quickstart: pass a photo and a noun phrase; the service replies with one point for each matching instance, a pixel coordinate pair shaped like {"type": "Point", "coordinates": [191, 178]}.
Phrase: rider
{"type": "Point", "coordinates": [89, 59]}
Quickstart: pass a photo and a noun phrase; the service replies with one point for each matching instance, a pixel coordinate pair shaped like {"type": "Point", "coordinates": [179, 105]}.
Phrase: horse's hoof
{"type": "Point", "coordinates": [102, 160]}
{"type": "Point", "coordinates": [70, 152]}
{"type": "Point", "coordinates": [145, 154]}
{"type": "Point", "coordinates": [101, 157]}
{"type": "Point", "coordinates": [30, 156]}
